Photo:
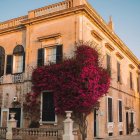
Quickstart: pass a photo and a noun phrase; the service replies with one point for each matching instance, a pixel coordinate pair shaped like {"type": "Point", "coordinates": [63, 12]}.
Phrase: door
{"type": "Point", "coordinates": [95, 123]}
{"type": "Point", "coordinates": [127, 123]}
{"type": "Point", "coordinates": [4, 117]}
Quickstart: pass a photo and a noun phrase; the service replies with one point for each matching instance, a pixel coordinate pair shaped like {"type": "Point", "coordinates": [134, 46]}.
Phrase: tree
{"type": "Point", "coordinates": [77, 83]}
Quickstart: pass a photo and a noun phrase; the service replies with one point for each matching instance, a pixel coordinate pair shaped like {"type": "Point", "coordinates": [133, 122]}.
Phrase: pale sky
{"type": "Point", "coordinates": [125, 15]}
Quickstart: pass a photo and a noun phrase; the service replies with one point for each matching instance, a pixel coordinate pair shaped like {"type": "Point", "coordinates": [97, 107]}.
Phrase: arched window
{"type": "Point", "coordinates": [18, 59]}
{"type": "Point", "coordinates": [2, 60]}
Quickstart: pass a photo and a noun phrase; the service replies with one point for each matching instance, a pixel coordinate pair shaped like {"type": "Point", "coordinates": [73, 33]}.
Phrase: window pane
{"type": "Point", "coordinates": [18, 63]}
{"type": "Point", "coordinates": [51, 55]}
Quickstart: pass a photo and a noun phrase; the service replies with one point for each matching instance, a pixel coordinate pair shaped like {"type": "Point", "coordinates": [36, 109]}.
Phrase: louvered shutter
{"type": "Point", "coordinates": [59, 53]}
{"type": "Point", "coordinates": [9, 65]}
{"type": "Point", "coordinates": [40, 60]}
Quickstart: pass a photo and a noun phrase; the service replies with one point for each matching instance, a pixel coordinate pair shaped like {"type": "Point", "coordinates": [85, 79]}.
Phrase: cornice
{"type": "Point", "coordinates": [12, 29]}
{"type": "Point", "coordinates": [91, 14]}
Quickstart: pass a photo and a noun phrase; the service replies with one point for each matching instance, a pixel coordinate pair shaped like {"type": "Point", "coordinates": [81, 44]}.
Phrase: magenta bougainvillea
{"type": "Point", "coordinates": [77, 83]}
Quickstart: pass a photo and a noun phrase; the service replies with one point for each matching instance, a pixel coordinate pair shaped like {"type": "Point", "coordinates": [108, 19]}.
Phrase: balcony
{"type": "Point", "coordinates": [17, 78]}
{"type": "Point", "coordinates": [1, 80]}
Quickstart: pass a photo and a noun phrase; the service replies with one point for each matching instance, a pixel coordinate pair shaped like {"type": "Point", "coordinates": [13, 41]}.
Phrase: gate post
{"type": "Point", "coordinates": [68, 127]}
{"type": "Point", "coordinates": [12, 123]}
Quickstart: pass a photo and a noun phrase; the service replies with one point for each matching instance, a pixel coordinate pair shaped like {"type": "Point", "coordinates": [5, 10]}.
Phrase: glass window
{"type": "Point", "coordinates": [50, 54]}
{"type": "Point", "coordinates": [18, 60]}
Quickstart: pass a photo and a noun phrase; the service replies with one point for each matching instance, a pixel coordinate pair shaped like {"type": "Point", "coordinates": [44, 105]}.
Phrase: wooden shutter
{"type": "Point", "coordinates": [108, 64]}
{"type": "Point", "coordinates": [2, 61]}
{"type": "Point", "coordinates": [138, 87]}
{"type": "Point", "coordinates": [131, 83]}
{"type": "Point", "coordinates": [48, 110]}
{"type": "Point", "coordinates": [110, 117]}
{"type": "Point", "coordinates": [118, 72]}
{"type": "Point", "coordinates": [23, 61]}
{"type": "Point", "coordinates": [59, 53]}
{"type": "Point", "coordinates": [120, 111]}
{"type": "Point", "coordinates": [40, 60]}
{"type": "Point", "coordinates": [9, 65]}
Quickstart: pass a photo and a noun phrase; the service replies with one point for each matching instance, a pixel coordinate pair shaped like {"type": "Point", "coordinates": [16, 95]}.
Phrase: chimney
{"type": "Point", "coordinates": [79, 2]}
{"type": "Point", "coordinates": [111, 24]}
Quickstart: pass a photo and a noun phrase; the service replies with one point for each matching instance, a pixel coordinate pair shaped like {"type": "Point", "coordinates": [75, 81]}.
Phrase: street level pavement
{"type": "Point", "coordinates": [128, 137]}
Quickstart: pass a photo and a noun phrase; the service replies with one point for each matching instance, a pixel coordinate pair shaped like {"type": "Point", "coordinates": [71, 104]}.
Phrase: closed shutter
{"type": "Point", "coordinates": [118, 72]}
{"type": "Point", "coordinates": [48, 110]}
{"type": "Point", "coordinates": [108, 64]}
{"type": "Point", "coordinates": [2, 61]}
{"type": "Point", "coordinates": [59, 53]}
{"type": "Point", "coordinates": [138, 87]}
{"type": "Point", "coordinates": [110, 117]}
{"type": "Point", "coordinates": [40, 60]}
{"type": "Point", "coordinates": [120, 111]}
{"type": "Point", "coordinates": [9, 65]}
{"type": "Point", "coordinates": [131, 82]}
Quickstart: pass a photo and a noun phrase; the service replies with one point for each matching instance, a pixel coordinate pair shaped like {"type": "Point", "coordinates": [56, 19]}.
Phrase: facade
{"type": "Point", "coordinates": [50, 33]}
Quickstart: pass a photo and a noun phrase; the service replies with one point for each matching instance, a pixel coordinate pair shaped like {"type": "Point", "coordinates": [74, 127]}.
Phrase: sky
{"type": "Point", "coordinates": [125, 14]}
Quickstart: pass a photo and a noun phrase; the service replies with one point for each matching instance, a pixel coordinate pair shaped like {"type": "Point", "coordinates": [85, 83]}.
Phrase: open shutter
{"type": "Point", "coordinates": [9, 65]}
{"type": "Point", "coordinates": [23, 61]}
{"type": "Point", "coordinates": [2, 61]}
{"type": "Point", "coordinates": [59, 53]}
{"type": "Point", "coordinates": [40, 60]}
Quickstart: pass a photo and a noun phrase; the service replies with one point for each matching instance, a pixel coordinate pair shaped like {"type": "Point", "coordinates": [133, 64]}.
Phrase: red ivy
{"type": "Point", "coordinates": [77, 83]}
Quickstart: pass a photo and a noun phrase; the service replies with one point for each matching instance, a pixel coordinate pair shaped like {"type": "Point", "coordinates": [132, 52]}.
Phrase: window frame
{"type": "Point", "coordinates": [109, 97]}
{"type": "Point", "coordinates": [18, 51]}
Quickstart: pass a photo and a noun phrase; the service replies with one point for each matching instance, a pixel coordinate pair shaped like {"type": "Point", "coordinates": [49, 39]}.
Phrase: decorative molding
{"type": "Point", "coordinates": [109, 47]}
{"type": "Point", "coordinates": [90, 13]}
{"type": "Point", "coordinates": [96, 35]}
{"type": "Point", "coordinates": [52, 36]}
{"type": "Point", "coordinates": [119, 55]}
{"type": "Point", "coordinates": [131, 66]}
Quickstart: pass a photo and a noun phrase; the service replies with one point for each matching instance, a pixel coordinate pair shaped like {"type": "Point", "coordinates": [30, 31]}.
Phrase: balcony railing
{"type": "Point", "coordinates": [1, 79]}
{"type": "Point", "coordinates": [51, 8]}
{"type": "Point", "coordinates": [17, 78]}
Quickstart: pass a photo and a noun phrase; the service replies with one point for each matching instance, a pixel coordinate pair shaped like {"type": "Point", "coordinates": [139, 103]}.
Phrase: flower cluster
{"type": "Point", "coordinates": [77, 83]}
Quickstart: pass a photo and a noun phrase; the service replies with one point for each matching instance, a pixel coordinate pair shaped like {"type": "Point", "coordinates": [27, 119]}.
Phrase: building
{"type": "Point", "coordinates": [50, 31]}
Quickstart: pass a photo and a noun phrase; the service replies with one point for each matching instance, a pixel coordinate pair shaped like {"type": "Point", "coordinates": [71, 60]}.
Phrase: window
{"type": "Point", "coordinates": [48, 109]}
{"type": "Point", "coordinates": [120, 110]}
{"type": "Point", "coordinates": [110, 112]}
{"type": "Point", "coordinates": [18, 59]}
{"type": "Point", "coordinates": [138, 86]}
{"type": "Point", "coordinates": [108, 64]}
{"type": "Point", "coordinates": [2, 60]}
{"type": "Point", "coordinates": [48, 55]}
{"type": "Point", "coordinates": [9, 64]}
{"type": "Point", "coordinates": [131, 81]}
{"type": "Point", "coordinates": [118, 72]}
